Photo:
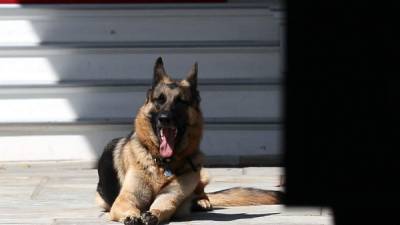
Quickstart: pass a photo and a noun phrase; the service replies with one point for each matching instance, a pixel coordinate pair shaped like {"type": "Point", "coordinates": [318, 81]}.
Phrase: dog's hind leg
{"type": "Point", "coordinates": [200, 201]}
{"type": "Point", "coordinates": [193, 203]}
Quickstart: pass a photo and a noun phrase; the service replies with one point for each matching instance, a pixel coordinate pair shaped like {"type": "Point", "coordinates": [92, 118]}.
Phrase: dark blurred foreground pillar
{"type": "Point", "coordinates": [342, 129]}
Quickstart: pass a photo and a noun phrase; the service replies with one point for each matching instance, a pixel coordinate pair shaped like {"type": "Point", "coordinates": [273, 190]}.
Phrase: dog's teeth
{"type": "Point", "coordinates": [161, 132]}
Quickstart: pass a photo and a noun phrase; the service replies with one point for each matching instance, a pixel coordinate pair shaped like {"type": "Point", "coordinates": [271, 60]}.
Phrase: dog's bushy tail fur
{"type": "Point", "coordinates": [243, 197]}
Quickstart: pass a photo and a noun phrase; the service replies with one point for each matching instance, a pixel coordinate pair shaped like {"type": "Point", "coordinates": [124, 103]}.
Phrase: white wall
{"type": "Point", "coordinates": [72, 77]}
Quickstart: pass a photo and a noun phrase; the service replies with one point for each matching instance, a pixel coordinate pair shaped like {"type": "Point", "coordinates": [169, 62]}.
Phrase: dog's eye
{"type": "Point", "coordinates": [161, 99]}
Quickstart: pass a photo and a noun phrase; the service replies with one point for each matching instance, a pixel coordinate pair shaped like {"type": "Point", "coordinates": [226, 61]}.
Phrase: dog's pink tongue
{"type": "Point", "coordinates": [167, 142]}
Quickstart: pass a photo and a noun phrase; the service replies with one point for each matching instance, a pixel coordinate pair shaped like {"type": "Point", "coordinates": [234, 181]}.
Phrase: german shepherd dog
{"type": "Point", "coordinates": [156, 172]}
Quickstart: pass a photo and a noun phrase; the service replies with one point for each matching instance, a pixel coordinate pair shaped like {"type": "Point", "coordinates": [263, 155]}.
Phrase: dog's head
{"type": "Point", "coordinates": [170, 122]}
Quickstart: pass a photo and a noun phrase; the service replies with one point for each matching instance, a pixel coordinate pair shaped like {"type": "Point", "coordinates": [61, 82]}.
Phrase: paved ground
{"type": "Point", "coordinates": [55, 193]}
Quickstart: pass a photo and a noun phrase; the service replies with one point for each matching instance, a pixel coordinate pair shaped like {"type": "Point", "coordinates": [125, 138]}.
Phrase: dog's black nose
{"type": "Point", "coordinates": [164, 117]}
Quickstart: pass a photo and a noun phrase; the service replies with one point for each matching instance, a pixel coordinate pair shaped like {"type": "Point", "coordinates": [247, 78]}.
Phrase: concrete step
{"type": "Point", "coordinates": [63, 193]}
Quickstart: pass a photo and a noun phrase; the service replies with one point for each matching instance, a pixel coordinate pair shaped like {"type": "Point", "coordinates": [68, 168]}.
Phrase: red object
{"type": "Point", "coordinates": [103, 1]}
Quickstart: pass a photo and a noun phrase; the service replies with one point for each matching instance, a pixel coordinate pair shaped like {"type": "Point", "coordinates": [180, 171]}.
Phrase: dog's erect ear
{"type": "Point", "coordinates": [192, 80]}
{"type": "Point", "coordinates": [159, 71]}
{"type": "Point", "coordinates": [192, 77]}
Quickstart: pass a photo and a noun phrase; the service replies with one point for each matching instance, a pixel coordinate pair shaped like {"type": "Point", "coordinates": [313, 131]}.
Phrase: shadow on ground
{"type": "Point", "coordinates": [215, 216]}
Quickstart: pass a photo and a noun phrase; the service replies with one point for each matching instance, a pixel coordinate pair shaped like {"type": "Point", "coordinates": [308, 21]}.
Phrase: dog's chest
{"type": "Point", "coordinates": [159, 176]}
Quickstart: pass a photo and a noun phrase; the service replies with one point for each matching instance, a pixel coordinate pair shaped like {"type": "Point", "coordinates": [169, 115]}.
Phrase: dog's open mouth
{"type": "Point", "coordinates": [167, 141]}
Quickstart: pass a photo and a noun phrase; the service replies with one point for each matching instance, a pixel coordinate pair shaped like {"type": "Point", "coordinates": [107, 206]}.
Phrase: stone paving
{"type": "Point", "coordinates": [62, 193]}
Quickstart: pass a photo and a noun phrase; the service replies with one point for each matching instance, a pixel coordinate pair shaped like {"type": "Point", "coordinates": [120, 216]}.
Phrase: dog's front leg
{"type": "Point", "coordinates": [135, 195]}
{"type": "Point", "coordinates": [170, 198]}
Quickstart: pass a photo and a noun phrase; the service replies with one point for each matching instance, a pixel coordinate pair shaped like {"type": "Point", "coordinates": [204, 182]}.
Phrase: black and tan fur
{"type": "Point", "coordinates": [134, 185]}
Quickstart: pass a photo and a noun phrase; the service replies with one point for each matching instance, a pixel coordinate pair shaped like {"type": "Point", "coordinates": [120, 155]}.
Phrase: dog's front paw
{"type": "Point", "coordinates": [149, 219]}
{"type": "Point", "coordinates": [132, 220]}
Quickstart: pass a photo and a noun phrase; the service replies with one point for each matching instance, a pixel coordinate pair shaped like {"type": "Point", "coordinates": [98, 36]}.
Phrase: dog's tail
{"type": "Point", "coordinates": [243, 197]}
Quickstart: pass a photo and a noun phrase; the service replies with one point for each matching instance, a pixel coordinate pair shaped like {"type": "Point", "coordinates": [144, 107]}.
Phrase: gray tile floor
{"type": "Point", "coordinates": [55, 193]}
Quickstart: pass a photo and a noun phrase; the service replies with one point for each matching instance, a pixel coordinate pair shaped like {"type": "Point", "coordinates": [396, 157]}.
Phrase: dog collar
{"type": "Point", "coordinates": [168, 172]}
{"type": "Point", "coordinates": [165, 164]}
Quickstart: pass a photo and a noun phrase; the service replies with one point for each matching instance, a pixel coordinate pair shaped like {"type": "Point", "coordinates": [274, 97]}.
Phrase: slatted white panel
{"type": "Point", "coordinates": [63, 65]}
{"type": "Point", "coordinates": [116, 26]}
{"type": "Point", "coordinates": [72, 104]}
{"type": "Point", "coordinates": [77, 142]}
{"type": "Point", "coordinates": [63, 61]}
